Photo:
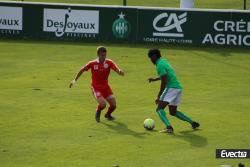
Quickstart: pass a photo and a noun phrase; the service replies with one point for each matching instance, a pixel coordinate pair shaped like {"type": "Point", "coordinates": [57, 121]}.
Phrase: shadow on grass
{"type": "Point", "coordinates": [194, 139]}
{"type": "Point", "coordinates": [123, 129]}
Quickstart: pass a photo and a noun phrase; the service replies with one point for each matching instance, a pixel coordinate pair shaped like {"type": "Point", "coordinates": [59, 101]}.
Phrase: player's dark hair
{"type": "Point", "coordinates": [155, 52]}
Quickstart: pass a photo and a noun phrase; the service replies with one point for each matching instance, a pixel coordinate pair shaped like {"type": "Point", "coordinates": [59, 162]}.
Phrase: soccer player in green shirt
{"type": "Point", "coordinates": [170, 91]}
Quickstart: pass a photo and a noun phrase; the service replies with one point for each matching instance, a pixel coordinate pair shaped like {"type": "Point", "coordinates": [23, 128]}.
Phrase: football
{"type": "Point", "coordinates": [149, 124]}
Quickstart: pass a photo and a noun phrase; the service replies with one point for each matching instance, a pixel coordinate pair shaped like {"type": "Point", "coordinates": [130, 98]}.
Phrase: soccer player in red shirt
{"type": "Point", "coordinates": [100, 69]}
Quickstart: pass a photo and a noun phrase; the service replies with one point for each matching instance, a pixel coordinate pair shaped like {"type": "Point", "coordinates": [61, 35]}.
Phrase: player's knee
{"type": "Point", "coordinates": [102, 105]}
{"type": "Point", "coordinates": [172, 112]}
{"type": "Point", "coordinates": [158, 108]}
{"type": "Point", "coordinates": [112, 106]}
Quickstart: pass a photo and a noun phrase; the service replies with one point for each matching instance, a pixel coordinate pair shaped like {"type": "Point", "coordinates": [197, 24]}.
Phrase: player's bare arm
{"type": "Point", "coordinates": [120, 72]}
{"type": "Point", "coordinates": [117, 69]}
{"type": "Point", "coordinates": [162, 87]}
{"type": "Point", "coordinates": [153, 79]}
{"type": "Point", "coordinates": [77, 77]}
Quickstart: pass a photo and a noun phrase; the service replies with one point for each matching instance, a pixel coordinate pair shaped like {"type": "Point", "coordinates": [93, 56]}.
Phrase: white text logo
{"type": "Point", "coordinates": [231, 154]}
{"type": "Point", "coordinates": [229, 33]}
{"type": "Point", "coordinates": [171, 22]}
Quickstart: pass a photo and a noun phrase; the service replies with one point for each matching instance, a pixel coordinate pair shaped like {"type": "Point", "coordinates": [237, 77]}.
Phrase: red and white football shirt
{"type": "Point", "coordinates": [100, 73]}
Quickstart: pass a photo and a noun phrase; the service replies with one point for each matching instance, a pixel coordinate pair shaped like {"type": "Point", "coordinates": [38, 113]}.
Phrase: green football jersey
{"type": "Point", "coordinates": [164, 68]}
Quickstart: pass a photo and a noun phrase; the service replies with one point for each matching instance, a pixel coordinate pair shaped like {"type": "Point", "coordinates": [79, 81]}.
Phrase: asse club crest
{"type": "Point", "coordinates": [121, 27]}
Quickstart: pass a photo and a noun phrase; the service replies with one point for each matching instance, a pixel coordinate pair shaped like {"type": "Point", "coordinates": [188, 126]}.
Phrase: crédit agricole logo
{"type": "Point", "coordinates": [171, 22]}
{"type": "Point", "coordinates": [167, 27]}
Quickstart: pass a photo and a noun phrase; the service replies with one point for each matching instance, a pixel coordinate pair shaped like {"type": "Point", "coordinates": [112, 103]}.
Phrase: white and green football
{"type": "Point", "coordinates": [149, 124]}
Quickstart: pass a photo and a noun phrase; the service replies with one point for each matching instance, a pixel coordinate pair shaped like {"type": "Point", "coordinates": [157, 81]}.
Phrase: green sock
{"type": "Point", "coordinates": [163, 117]}
{"type": "Point", "coordinates": [183, 117]}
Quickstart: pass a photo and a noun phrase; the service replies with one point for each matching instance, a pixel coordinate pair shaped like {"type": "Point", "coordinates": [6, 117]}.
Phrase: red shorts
{"type": "Point", "coordinates": [102, 91]}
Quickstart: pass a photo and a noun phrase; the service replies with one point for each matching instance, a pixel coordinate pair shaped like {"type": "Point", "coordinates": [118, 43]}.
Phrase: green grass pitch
{"type": "Point", "coordinates": [43, 123]}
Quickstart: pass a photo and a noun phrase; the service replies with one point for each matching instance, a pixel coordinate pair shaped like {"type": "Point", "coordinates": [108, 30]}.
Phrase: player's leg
{"type": "Point", "coordinates": [112, 106]}
{"type": "Point", "coordinates": [163, 102]}
{"type": "Point", "coordinates": [101, 103]}
{"type": "Point", "coordinates": [110, 98]}
{"type": "Point", "coordinates": [173, 110]}
{"type": "Point", "coordinates": [162, 114]}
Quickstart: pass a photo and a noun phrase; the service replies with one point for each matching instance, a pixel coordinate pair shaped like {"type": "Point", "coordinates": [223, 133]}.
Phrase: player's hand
{"type": "Point", "coordinates": [151, 80]}
{"type": "Point", "coordinates": [72, 83]}
{"type": "Point", "coordinates": [121, 73]}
